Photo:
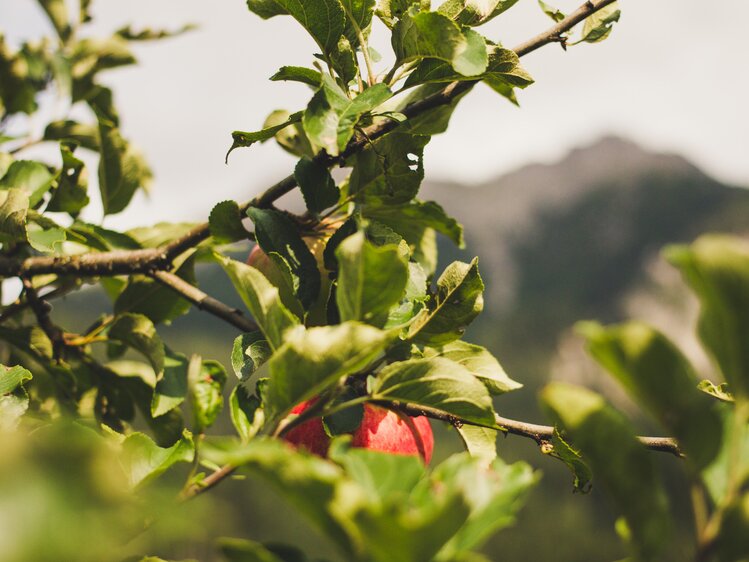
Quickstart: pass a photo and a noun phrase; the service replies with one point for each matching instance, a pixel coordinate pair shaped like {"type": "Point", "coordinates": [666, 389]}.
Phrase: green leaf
{"type": "Point", "coordinates": [171, 388]}
{"type": "Point", "coordinates": [147, 34]}
{"type": "Point", "coordinates": [358, 17]}
{"type": "Point", "coordinates": [383, 476]}
{"type": "Point", "coordinates": [301, 74]}
{"type": "Point", "coordinates": [225, 223]}
{"type": "Point", "coordinates": [627, 470]}
{"type": "Point", "coordinates": [275, 232]}
{"type": "Point", "coordinates": [248, 353]}
{"type": "Point", "coordinates": [243, 550]}
{"type": "Point", "coordinates": [479, 362]}
{"type": "Point", "coordinates": [266, 8]}
{"type": "Point", "coordinates": [94, 54]}
{"type": "Point", "coordinates": [143, 295]}
{"type": "Point", "coordinates": [344, 62]}
{"type": "Point", "coordinates": [343, 421]}
{"type": "Point", "coordinates": [458, 301]}
{"type": "Point", "coordinates": [390, 172]}
{"type": "Point", "coordinates": [597, 26]}
{"type": "Point", "coordinates": [494, 495]}
{"type": "Point", "coordinates": [316, 184]}
{"type": "Point", "coordinates": [122, 170]}
{"type": "Point", "coordinates": [12, 408]}
{"type": "Point", "coordinates": [733, 459]}
{"type": "Point", "coordinates": [436, 383]}
{"type": "Point", "coordinates": [206, 380]}
{"type": "Point", "coordinates": [473, 12]}
{"type": "Point", "coordinates": [719, 391]}
{"type": "Point", "coordinates": [371, 279]}
{"type": "Point", "coordinates": [323, 19]}
{"type": "Point", "coordinates": [33, 178]}
{"type": "Point", "coordinates": [246, 414]}
{"type": "Point", "coordinates": [247, 139]}
{"type": "Point", "coordinates": [159, 234]}
{"type": "Point", "coordinates": [554, 13]}
{"type": "Point", "coordinates": [574, 461]}
{"type": "Point", "coordinates": [58, 15]}
{"type": "Point", "coordinates": [432, 35]}
{"type": "Point", "coordinates": [503, 66]}
{"type": "Point", "coordinates": [14, 206]}
{"type": "Point", "coordinates": [432, 121]}
{"type": "Point", "coordinates": [292, 139]}
{"type": "Point", "coordinates": [313, 359]}
{"type": "Point", "coordinates": [717, 269]}
{"type": "Point", "coordinates": [315, 487]}
{"type": "Point", "coordinates": [732, 541]}
{"type": "Point", "coordinates": [331, 116]}
{"type": "Point", "coordinates": [138, 332]}
{"type": "Point", "coordinates": [144, 461]}
{"type": "Point", "coordinates": [12, 378]}
{"type": "Point", "coordinates": [82, 134]}
{"type": "Point", "coordinates": [658, 376]}
{"type": "Point", "coordinates": [480, 442]}
{"type": "Point", "coordinates": [261, 298]}
{"type": "Point", "coordinates": [418, 214]}
{"type": "Point", "coordinates": [71, 193]}
{"type": "Point", "coordinates": [47, 240]}
{"type": "Point", "coordinates": [390, 11]}
{"type": "Point", "coordinates": [30, 339]}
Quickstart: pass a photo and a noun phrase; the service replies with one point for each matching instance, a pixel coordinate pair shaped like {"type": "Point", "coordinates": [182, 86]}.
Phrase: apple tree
{"type": "Point", "coordinates": [346, 314]}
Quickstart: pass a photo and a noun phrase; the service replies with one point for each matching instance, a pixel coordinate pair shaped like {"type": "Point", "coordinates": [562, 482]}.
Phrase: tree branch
{"type": "Point", "coordinates": [541, 434]}
{"type": "Point", "coordinates": [204, 301]}
{"type": "Point", "coordinates": [145, 261]}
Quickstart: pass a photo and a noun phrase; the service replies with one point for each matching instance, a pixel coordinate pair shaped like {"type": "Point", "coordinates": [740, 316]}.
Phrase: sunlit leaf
{"type": "Point", "coordinates": [138, 332]}
{"type": "Point", "coordinates": [433, 35]}
{"type": "Point", "coordinates": [313, 359]}
{"type": "Point", "coordinates": [371, 279]}
{"type": "Point", "coordinates": [618, 461]}
{"type": "Point", "coordinates": [658, 376]}
{"type": "Point", "coordinates": [143, 460]}
{"type": "Point", "coordinates": [276, 233]}
{"type": "Point", "coordinates": [479, 362]}
{"type": "Point", "coordinates": [248, 353]}
{"type": "Point", "coordinates": [436, 383]}
{"type": "Point", "coordinates": [225, 222]}
{"type": "Point", "coordinates": [717, 269]}
{"type": "Point", "coordinates": [458, 301]}
{"type": "Point", "coordinates": [316, 184]}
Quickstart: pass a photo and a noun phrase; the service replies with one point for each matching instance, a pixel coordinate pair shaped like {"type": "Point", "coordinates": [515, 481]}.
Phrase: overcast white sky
{"type": "Point", "coordinates": [673, 76]}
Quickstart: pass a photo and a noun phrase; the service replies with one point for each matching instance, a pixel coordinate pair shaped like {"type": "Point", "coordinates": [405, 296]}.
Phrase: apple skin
{"type": "Point", "coordinates": [380, 430]}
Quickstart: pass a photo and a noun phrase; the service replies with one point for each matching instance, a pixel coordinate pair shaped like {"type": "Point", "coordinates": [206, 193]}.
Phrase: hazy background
{"type": "Point", "coordinates": [619, 149]}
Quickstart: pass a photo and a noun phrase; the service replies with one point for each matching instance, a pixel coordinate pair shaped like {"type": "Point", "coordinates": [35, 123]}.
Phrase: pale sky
{"type": "Point", "coordinates": [673, 76]}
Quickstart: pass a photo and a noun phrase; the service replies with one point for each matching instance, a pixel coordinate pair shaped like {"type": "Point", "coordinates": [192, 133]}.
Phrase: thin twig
{"type": "Point", "coordinates": [208, 482]}
{"type": "Point", "coordinates": [41, 310]}
{"type": "Point", "coordinates": [204, 301]}
{"type": "Point", "coordinates": [541, 434]}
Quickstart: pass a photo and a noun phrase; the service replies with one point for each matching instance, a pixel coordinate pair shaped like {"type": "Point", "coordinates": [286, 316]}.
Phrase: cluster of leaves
{"type": "Point", "coordinates": [709, 423]}
{"type": "Point", "coordinates": [350, 309]}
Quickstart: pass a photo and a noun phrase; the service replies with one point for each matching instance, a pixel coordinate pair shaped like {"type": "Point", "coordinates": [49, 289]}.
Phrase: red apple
{"type": "Point", "coordinates": [380, 430]}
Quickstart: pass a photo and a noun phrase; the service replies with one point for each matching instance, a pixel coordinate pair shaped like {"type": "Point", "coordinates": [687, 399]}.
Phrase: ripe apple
{"type": "Point", "coordinates": [380, 430]}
